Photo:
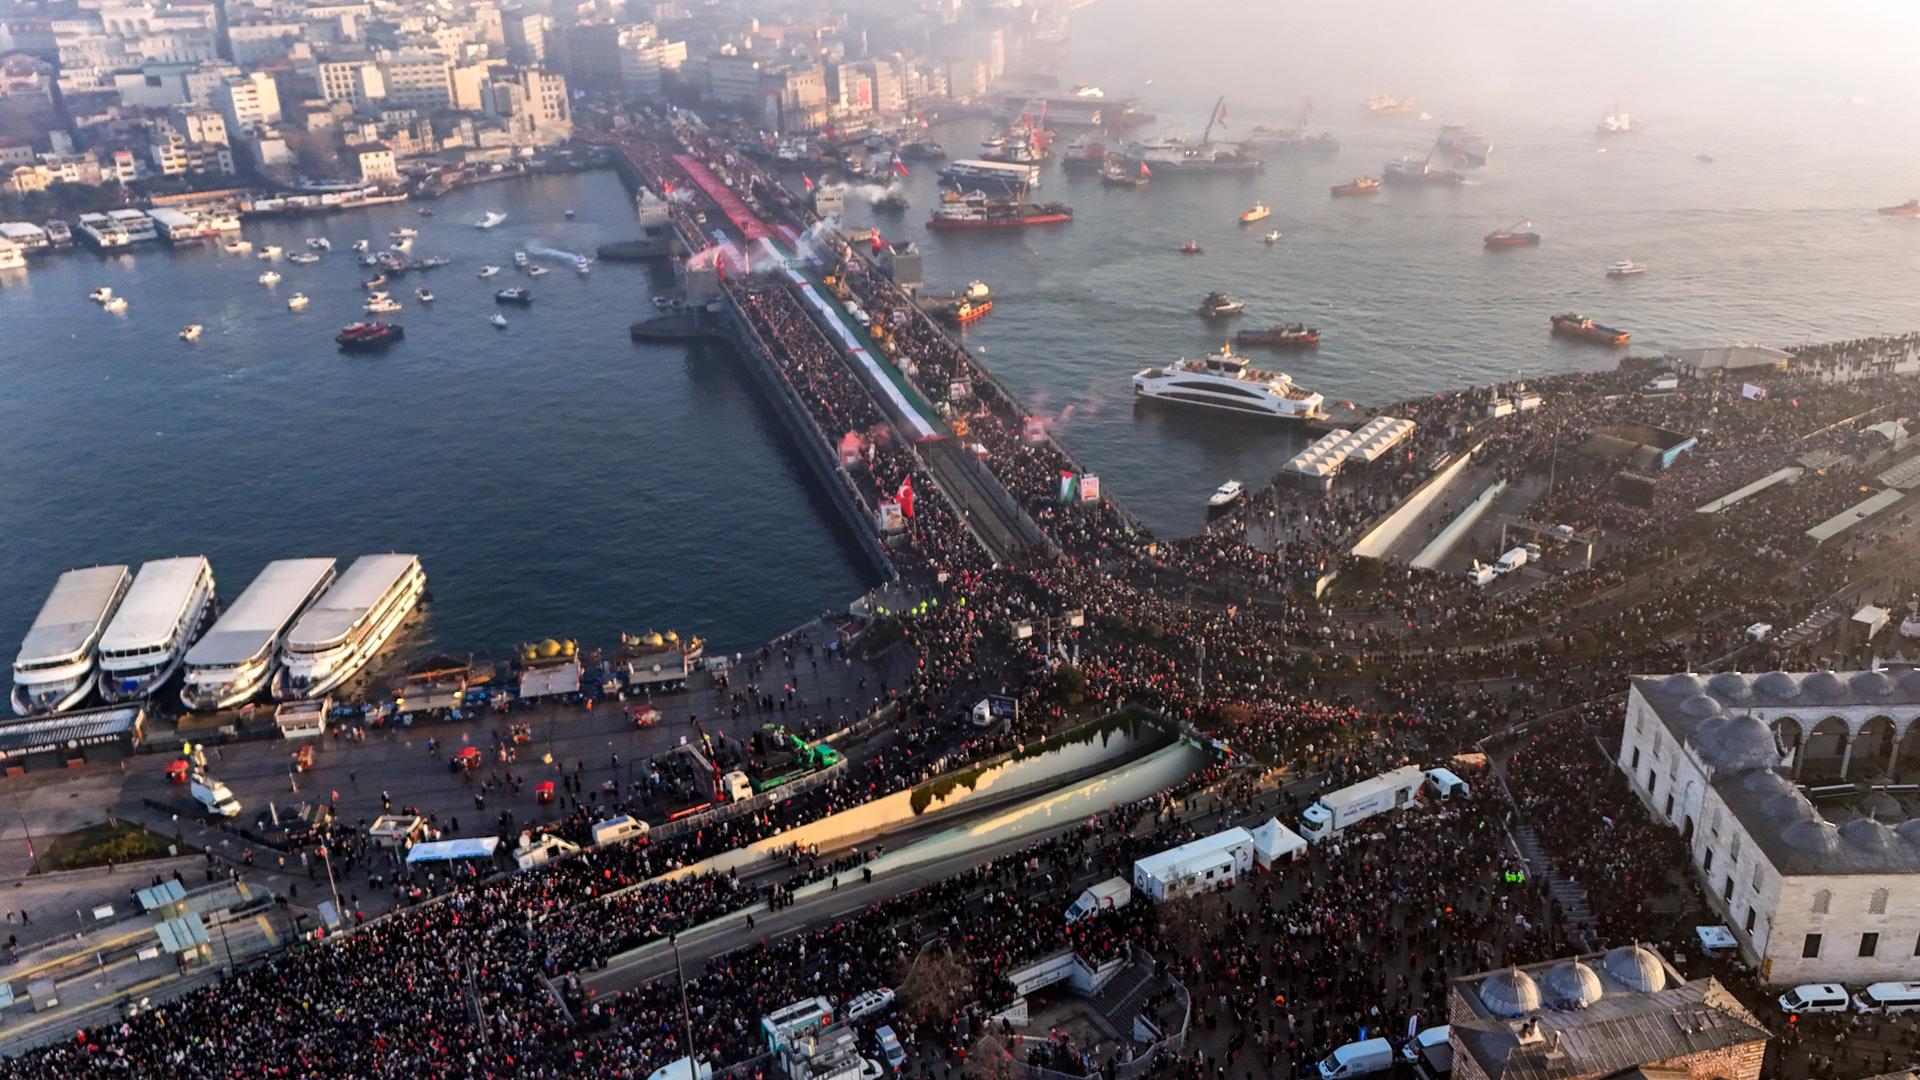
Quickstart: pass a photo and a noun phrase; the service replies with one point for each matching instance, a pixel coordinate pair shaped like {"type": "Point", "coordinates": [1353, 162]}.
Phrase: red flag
{"type": "Point", "coordinates": [807, 180]}
{"type": "Point", "coordinates": [899, 166]}
{"type": "Point", "coordinates": [878, 244]}
{"type": "Point", "coordinates": [1144, 171]}
{"type": "Point", "coordinates": [667, 187]}
{"type": "Point", "coordinates": [905, 495]}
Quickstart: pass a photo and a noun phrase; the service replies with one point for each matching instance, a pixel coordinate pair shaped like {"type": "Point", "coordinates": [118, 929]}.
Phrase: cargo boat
{"type": "Point", "coordinates": [1579, 326]}
{"type": "Point", "coordinates": [977, 211]}
{"type": "Point", "coordinates": [1290, 336]}
{"type": "Point", "coordinates": [1518, 234]}
{"type": "Point", "coordinates": [366, 337]}
{"type": "Point", "coordinates": [1360, 185]}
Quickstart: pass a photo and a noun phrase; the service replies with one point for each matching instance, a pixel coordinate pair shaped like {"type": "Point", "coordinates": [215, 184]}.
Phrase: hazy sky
{"type": "Point", "coordinates": [1755, 60]}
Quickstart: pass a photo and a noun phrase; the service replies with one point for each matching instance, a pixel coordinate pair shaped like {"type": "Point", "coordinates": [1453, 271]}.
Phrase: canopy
{"type": "Point", "coordinates": [1274, 841]}
{"type": "Point", "coordinates": [473, 847]}
{"type": "Point", "coordinates": [1715, 938]}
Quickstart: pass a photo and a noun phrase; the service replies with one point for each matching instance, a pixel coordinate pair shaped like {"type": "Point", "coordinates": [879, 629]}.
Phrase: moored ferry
{"type": "Point", "coordinates": [54, 668]}
{"type": "Point", "coordinates": [139, 226]}
{"type": "Point", "coordinates": [976, 174]}
{"type": "Point", "coordinates": [1579, 326]}
{"type": "Point", "coordinates": [102, 233]}
{"type": "Point", "coordinates": [170, 603]}
{"type": "Point", "coordinates": [977, 211]}
{"type": "Point", "coordinates": [350, 623]}
{"type": "Point", "coordinates": [235, 660]}
{"type": "Point", "coordinates": [1223, 380]}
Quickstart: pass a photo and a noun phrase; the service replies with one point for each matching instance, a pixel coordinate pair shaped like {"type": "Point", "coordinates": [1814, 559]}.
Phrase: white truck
{"type": "Point", "coordinates": [1207, 863]}
{"type": "Point", "coordinates": [1337, 811]}
{"type": "Point", "coordinates": [1104, 896]}
{"type": "Point", "coordinates": [1510, 561]}
{"type": "Point", "coordinates": [213, 795]}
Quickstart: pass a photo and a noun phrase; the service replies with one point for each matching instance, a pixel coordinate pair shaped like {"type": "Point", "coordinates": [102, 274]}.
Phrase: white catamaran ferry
{"type": "Point", "coordinates": [973, 173]}
{"type": "Point", "coordinates": [349, 624]}
{"type": "Point", "coordinates": [1223, 380]}
{"type": "Point", "coordinates": [54, 669]}
{"type": "Point", "coordinates": [170, 602]}
{"type": "Point", "coordinates": [235, 660]}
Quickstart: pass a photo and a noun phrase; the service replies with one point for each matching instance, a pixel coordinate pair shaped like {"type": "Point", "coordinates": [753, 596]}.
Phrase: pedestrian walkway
{"type": "Point", "coordinates": [1576, 913]}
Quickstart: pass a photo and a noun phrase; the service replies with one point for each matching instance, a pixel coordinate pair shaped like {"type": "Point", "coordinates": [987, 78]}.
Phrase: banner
{"type": "Point", "coordinates": [1752, 392]}
{"type": "Point", "coordinates": [1089, 488]}
{"type": "Point", "coordinates": [1069, 488]}
{"type": "Point", "coordinates": [889, 518]}
{"type": "Point", "coordinates": [959, 390]}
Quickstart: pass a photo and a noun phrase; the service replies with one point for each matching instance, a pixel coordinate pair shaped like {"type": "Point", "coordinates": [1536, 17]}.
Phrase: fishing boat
{"type": "Point", "coordinates": [297, 302]}
{"type": "Point", "coordinates": [116, 305]}
{"type": "Point", "coordinates": [1225, 495]}
{"type": "Point", "coordinates": [403, 233]}
{"type": "Point", "coordinates": [1192, 247]}
{"type": "Point", "coordinates": [488, 271]}
{"type": "Point", "coordinates": [536, 271]}
{"type": "Point", "coordinates": [1625, 268]}
{"type": "Point", "coordinates": [1260, 212]}
{"type": "Point", "coordinates": [977, 211]}
{"type": "Point", "coordinates": [382, 305]}
{"type": "Point", "coordinates": [270, 278]}
{"type": "Point", "coordinates": [1218, 305]}
{"type": "Point", "coordinates": [1359, 185]}
{"type": "Point", "coordinates": [1273, 236]}
{"type": "Point", "coordinates": [423, 296]}
{"type": "Point", "coordinates": [190, 332]}
{"type": "Point", "coordinates": [1585, 329]}
{"type": "Point", "coordinates": [966, 311]}
{"type": "Point", "coordinates": [520, 259]}
{"type": "Point", "coordinates": [498, 320]}
{"type": "Point", "coordinates": [236, 247]}
{"type": "Point", "coordinates": [374, 282]}
{"type": "Point", "coordinates": [1287, 336]}
{"type": "Point", "coordinates": [269, 253]}
{"type": "Point", "coordinates": [1518, 234]}
{"type": "Point", "coordinates": [101, 295]}
{"type": "Point", "coordinates": [1910, 208]}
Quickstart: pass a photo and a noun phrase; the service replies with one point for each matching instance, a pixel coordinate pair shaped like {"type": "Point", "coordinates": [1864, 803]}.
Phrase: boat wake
{"type": "Point", "coordinates": [556, 253]}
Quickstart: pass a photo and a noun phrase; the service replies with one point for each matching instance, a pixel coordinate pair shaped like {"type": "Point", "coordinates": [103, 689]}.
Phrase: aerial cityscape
{"type": "Point", "coordinates": [1014, 539]}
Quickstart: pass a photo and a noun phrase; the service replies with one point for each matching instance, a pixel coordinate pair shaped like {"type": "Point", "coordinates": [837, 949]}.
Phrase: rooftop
{"type": "Point", "coordinates": [79, 604]}
{"type": "Point", "coordinates": [349, 599]}
{"type": "Point", "coordinates": [153, 606]}
{"type": "Point", "coordinates": [261, 613]}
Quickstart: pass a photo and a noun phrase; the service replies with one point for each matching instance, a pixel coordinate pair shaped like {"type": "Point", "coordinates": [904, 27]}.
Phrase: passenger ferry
{"type": "Point", "coordinates": [348, 625]}
{"type": "Point", "coordinates": [235, 660]}
{"type": "Point", "coordinates": [54, 668]}
{"type": "Point", "coordinates": [1223, 380]}
{"type": "Point", "coordinates": [170, 603]}
{"type": "Point", "coordinates": [140, 228]}
{"type": "Point", "coordinates": [970, 174]}
{"type": "Point", "coordinates": [101, 233]}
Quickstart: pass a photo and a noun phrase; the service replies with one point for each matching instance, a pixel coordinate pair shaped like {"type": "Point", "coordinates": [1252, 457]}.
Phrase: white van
{"type": "Point", "coordinates": [867, 1004]}
{"type": "Point", "coordinates": [1815, 998]}
{"type": "Point", "coordinates": [1431, 1047]}
{"type": "Point", "coordinates": [1445, 783]}
{"type": "Point", "coordinates": [890, 1049]}
{"type": "Point", "coordinates": [1357, 1059]}
{"type": "Point", "coordinates": [1889, 998]}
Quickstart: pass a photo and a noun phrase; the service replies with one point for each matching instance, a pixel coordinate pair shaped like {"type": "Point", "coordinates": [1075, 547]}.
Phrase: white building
{"type": "Point", "coordinates": [249, 101]}
{"type": "Point", "coordinates": [418, 80]}
{"type": "Point", "coordinates": [356, 80]}
{"type": "Point", "coordinates": [1813, 894]}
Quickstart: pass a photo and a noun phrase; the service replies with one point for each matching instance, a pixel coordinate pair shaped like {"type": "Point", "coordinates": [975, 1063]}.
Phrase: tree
{"type": "Point", "coordinates": [1187, 924]}
{"type": "Point", "coordinates": [989, 1059]}
{"type": "Point", "coordinates": [935, 983]}
{"type": "Point", "coordinates": [1069, 685]}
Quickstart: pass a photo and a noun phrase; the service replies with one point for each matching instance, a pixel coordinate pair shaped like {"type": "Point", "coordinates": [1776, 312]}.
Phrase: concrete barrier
{"type": "Point", "coordinates": [1380, 539]}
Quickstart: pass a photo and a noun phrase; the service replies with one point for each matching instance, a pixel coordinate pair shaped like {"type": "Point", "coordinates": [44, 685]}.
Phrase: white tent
{"type": "Point", "coordinates": [1273, 842]}
{"type": "Point", "coordinates": [473, 847]}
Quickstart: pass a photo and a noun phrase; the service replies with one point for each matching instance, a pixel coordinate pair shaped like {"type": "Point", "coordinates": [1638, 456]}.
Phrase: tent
{"type": "Point", "coordinates": [1274, 841]}
{"type": "Point", "coordinates": [473, 847]}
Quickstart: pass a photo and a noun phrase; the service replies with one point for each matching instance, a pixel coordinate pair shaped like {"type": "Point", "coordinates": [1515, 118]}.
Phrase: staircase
{"type": "Point", "coordinates": [1576, 912]}
{"type": "Point", "coordinates": [1120, 999]}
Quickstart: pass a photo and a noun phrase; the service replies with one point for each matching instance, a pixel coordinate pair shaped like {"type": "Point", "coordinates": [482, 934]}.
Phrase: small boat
{"type": "Point", "coordinates": [536, 271]}
{"type": "Point", "coordinates": [319, 243]}
{"type": "Point", "coordinates": [269, 253]}
{"type": "Point", "coordinates": [1225, 495]}
{"type": "Point", "coordinates": [1910, 208]}
{"type": "Point", "coordinates": [520, 260]}
{"type": "Point", "coordinates": [403, 233]}
{"type": "Point", "coordinates": [303, 258]}
{"type": "Point", "coordinates": [236, 247]}
{"type": "Point", "coordinates": [1260, 212]}
{"type": "Point", "coordinates": [424, 211]}
{"type": "Point", "coordinates": [1288, 336]}
{"type": "Point", "coordinates": [270, 278]}
{"type": "Point", "coordinates": [582, 267]}
{"type": "Point", "coordinates": [402, 245]}
{"type": "Point", "coordinates": [967, 311]}
{"type": "Point", "coordinates": [492, 219]}
{"type": "Point", "coordinates": [976, 290]}
{"type": "Point", "coordinates": [423, 296]}
{"type": "Point", "coordinates": [101, 295]}
{"type": "Point", "coordinates": [367, 259]}
{"type": "Point", "coordinates": [362, 245]}
{"type": "Point", "coordinates": [1625, 268]}
{"type": "Point", "coordinates": [190, 332]}
{"type": "Point", "coordinates": [366, 337]}
{"type": "Point", "coordinates": [1359, 185]}
{"type": "Point", "coordinates": [662, 302]}
{"type": "Point", "coordinates": [498, 320]}
{"type": "Point", "coordinates": [1273, 236]}
{"type": "Point", "coordinates": [431, 262]}
{"type": "Point", "coordinates": [489, 271]}
{"type": "Point", "coordinates": [569, 214]}
{"type": "Point", "coordinates": [1519, 234]}
{"type": "Point", "coordinates": [513, 295]}
{"type": "Point", "coordinates": [1192, 247]}
{"type": "Point", "coordinates": [1219, 305]}
{"type": "Point", "coordinates": [1703, 158]}
{"type": "Point", "coordinates": [1579, 326]}
{"type": "Point", "coordinates": [116, 304]}
{"type": "Point", "coordinates": [383, 306]}
{"type": "Point", "coordinates": [297, 302]}
{"type": "Point", "coordinates": [378, 294]}
{"type": "Point", "coordinates": [374, 282]}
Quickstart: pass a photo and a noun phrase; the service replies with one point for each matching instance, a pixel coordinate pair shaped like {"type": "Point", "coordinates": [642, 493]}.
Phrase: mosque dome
{"type": "Point", "coordinates": [1684, 682]}
{"type": "Point", "coordinates": [1737, 743]}
{"type": "Point", "coordinates": [1636, 969]}
{"type": "Point", "coordinates": [1823, 686]}
{"type": "Point", "coordinates": [1731, 685]}
{"type": "Point", "coordinates": [1510, 994]}
{"type": "Point", "coordinates": [1882, 807]}
{"type": "Point", "coordinates": [1778, 685]}
{"type": "Point", "coordinates": [1700, 706]}
{"type": "Point", "coordinates": [1873, 684]}
{"type": "Point", "coordinates": [1813, 835]}
{"type": "Point", "coordinates": [1867, 834]}
{"type": "Point", "coordinates": [1573, 984]}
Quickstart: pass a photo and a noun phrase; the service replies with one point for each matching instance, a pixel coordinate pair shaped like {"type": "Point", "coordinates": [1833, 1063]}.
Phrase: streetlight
{"type": "Point", "coordinates": [326, 856]}
{"type": "Point", "coordinates": [686, 1014]}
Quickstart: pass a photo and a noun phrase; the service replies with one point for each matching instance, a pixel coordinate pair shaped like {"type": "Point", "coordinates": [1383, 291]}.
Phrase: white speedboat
{"type": "Point", "coordinates": [498, 320]}
{"type": "Point", "coordinates": [402, 245]}
{"type": "Point", "coordinates": [492, 219]}
{"type": "Point", "coordinates": [351, 622]}
{"type": "Point", "coordinates": [269, 253]}
{"type": "Point", "coordinates": [270, 278]}
{"type": "Point", "coordinates": [362, 245]}
{"type": "Point", "coordinates": [236, 658]}
{"type": "Point", "coordinates": [170, 603]}
{"type": "Point", "coordinates": [536, 271]}
{"type": "Point", "coordinates": [55, 666]}
{"type": "Point", "coordinates": [489, 271]}
{"type": "Point", "coordinates": [423, 295]}
{"type": "Point", "coordinates": [1273, 236]}
{"type": "Point", "coordinates": [303, 258]}
{"type": "Point", "coordinates": [116, 304]}
{"type": "Point", "coordinates": [520, 259]}
{"type": "Point", "coordinates": [1625, 268]}
{"type": "Point", "coordinates": [236, 247]}
{"type": "Point", "coordinates": [101, 295]}
{"type": "Point", "coordinates": [190, 332]}
{"type": "Point", "coordinates": [383, 306]}
{"type": "Point", "coordinates": [1225, 495]}
{"type": "Point", "coordinates": [404, 233]}
{"type": "Point", "coordinates": [1223, 380]}
{"type": "Point", "coordinates": [319, 243]}
{"type": "Point", "coordinates": [297, 301]}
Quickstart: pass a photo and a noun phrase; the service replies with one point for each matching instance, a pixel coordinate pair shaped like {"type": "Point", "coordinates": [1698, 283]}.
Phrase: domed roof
{"type": "Point", "coordinates": [549, 648]}
{"type": "Point", "coordinates": [1636, 968]}
{"type": "Point", "coordinates": [1908, 831]}
{"type": "Point", "coordinates": [1813, 835]}
{"type": "Point", "coordinates": [1787, 808]}
{"type": "Point", "coordinates": [1700, 706]}
{"type": "Point", "coordinates": [1823, 686]}
{"type": "Point", "coordinates": [1909, 681]}
{"type": "Point", "coordinates": [1777, 685]}
{"type": "Point", "coordinates": [1867, 834]}
{"type": "Point", "coordinates": [1510, 994]}
{"type": "Point", "coordinates": [1737, 743]}
{"type": "Point", "coordinates": [1684, 682]}
{"type": "Point", "coordinates": [1882, 807]}
{"type": "Point", "coordinates": [673, 636]}
{"type": "Point", "coordinates": [1872, 684]}
{"type": "Point", "coordinates": [1574, 984]}
{"type": "Point", "coordinates": [653, 638]}
{"type": "Point", "coordinates": [1731, 685]}
{"type": "Point", "coordinates": [1763, 782]}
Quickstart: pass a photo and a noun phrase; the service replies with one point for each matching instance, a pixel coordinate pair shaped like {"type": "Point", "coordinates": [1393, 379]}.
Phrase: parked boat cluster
{"type": "Point", "coordinates": [297, 631]}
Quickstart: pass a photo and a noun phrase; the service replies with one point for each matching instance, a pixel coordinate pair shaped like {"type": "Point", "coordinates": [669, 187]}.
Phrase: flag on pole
{"type": "Point", "coordinates": [1144, 171]}
{"type": "Point", "coordinates": [1069, 486]}
{"type": "Point", "coordinates": [807, 180]}
{"type": "Point", "coordinates": [900, 166]}
{"type": "Point", "coordinates": [905, 495]}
